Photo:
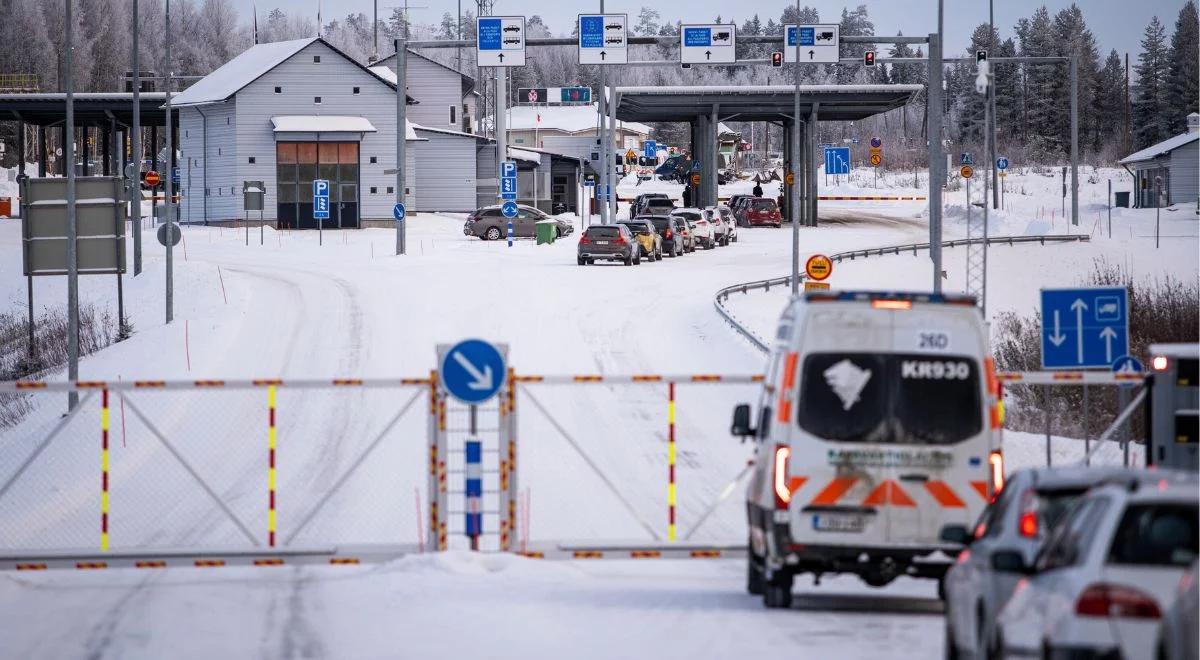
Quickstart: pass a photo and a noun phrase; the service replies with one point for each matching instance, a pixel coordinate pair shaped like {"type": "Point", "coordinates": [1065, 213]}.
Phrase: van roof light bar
{"type": "Point", "coordinates": [897, 296]}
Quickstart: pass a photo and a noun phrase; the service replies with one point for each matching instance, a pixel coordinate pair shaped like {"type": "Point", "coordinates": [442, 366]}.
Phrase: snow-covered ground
{"type": "Point", "coordinates": [292, 308]}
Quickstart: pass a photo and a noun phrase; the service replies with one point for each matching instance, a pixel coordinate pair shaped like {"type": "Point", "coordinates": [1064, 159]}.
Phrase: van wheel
{"type": "Point", "coordinates": [492, 234]}
{"type": "Point", "coordinates": [777, 591]}
{"type": "Point", "coordinates": [951, 650]}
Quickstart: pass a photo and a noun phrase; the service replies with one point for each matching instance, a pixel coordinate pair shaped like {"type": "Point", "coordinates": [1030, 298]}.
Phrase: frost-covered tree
{"type": "Point", "coordinates": [647, 22]}
{"type": "Point", "coordinates": [1150, 113]}
{"type": "Point", "coordinates": [1183, 75]}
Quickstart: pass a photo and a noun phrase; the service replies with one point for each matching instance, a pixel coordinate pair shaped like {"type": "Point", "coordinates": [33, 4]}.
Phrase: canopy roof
{"type": "Point", "coordinates": [760, 102]}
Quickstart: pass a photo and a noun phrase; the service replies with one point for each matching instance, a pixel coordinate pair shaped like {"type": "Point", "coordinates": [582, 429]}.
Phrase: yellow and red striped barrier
{"type": "Point", "coordinates": [671, 462]}
{"type": "Point", "coordinates": [104, 470]}
{"type": "Point", "coordinates": [872, 198]}
{"type": "Point", "coordinates": [271, 474]}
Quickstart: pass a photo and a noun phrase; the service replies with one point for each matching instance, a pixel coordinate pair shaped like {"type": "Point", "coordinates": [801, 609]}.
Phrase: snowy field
{"type": "Point", "coordinates": [292, 308]}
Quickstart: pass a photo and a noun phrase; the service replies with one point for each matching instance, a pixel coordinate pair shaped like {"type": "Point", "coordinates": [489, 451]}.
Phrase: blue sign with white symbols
{"type": "Point", "coordinates": [509, 209]}
{"type": "Point", "coordinates": [808, 36]}
{"type": "Point", "coordinates": [473, 488]}
{"type": "Point", "coordinates": [965, 159]}
{"type": "Point", "coordinates": [697, 36]}
{"type": "Point", "coordinates": [508, 186]}
{"type": "Point", "coordinates": [1084, 328]}
{"type": "Point", "coordinates": [651, 149]}
{"type": "Point", "coordinates": [1002, 163]}
{"type": "Point", "coordinates": [591, 31]}
{"type": "Point", "coordinates": [490, 34]}
{"type": "Point", "coordinates": [472, 371]}
{"type": "Point", "coordinates": [174, 175]}
{"type": "Point", "coordinates": [1128, 365]}
{"type": "Point", "coordinates": [398, 211]}
{"type": "Point", "coordinates": [837, 160]}
{"type": "Point", "coordinates": [320, 199]}
{"type": "Point", "coordinates": [508, 168]}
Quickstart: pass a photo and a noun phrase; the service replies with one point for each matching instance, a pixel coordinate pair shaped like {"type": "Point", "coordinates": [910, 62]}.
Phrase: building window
{"type": "Point", "coordinates": [278, 90]}
{"type": "Point", "coordinates": [218, 151]}
{"type": "Point", "coordinates": [519, 140]}
{"type": "Point", "coordinates": [374, 190]}
{"type": "Point", "coordinates": [252, 160]}
{"type": "Point", "coordinates": [185, 133]}
{"type": "Point", "coordinates": [227, 121]}
{"type": "Point", "coordinates": [316, 59]}
{"type": "Point", "coordinates": [317, 100]}
{"type": "Point", "coordinates": [355, 90]}
{"type": "Point", "coordinates": [391, 190]}
{"type": "Point", "coordinates": [374, 160]}
{"type": "Point", "coordinates": [453, 108]}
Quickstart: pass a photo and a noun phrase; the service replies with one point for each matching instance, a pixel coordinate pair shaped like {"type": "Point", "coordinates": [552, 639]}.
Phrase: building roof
{"type": "Point", "coordinates": [566, 118]}
{"type": "Point", "coordinates": [1160, 149]}
{"type": "Point", "coordinates": [468, 81]}
{"type": "Point", "coordinates": [760, 102]}
{"type": "Point", "coordinates": [322, 124]}
{"type": "Point", "coordinates": [253, 63]}
{"type": "Point", "coordinates": [91, 108]}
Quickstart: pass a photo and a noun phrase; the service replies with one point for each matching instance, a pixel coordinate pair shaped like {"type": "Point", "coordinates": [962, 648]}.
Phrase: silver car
{"type": "Point", "coordinates": [979, 584]}
{"type": "Point", "coordinates": [490, 224]}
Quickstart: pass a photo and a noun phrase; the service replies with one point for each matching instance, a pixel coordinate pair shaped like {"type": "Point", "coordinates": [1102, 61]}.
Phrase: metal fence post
{"type": "Point", "coordinates": [936, 176]}
{"type": "Point", "coordinates": [1046, 401]}
{"type": "Point", "coordinates": [432, 483]}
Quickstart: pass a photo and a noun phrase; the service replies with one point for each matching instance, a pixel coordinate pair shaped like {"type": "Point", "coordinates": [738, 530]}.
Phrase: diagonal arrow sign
{"type": "Point", "coordinates": [1108, 335]}
{"type": "Point", "coordinates": [1078, 306]}
{"type": "Point", "coordinates": [1058, 337]}
{"type": "Point", "coordinates": [483, 379]}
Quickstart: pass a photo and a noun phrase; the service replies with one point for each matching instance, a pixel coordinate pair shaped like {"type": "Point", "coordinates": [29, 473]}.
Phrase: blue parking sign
{"type": "Point", "coordinates": [508, 169]}
{"type": "Point", "coordinates": [320, 199]}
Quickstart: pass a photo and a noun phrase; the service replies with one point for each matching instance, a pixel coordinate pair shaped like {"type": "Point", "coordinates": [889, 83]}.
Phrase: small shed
{"type": "Point", "coordinates": [1176, 160]}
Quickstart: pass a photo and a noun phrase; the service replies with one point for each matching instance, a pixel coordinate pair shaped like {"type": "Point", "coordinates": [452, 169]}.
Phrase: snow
{"type": "Point", "coordinates": [242, 70]}
{"type": "Point", "coordinates": [328, 124]}
{"type": "Point", "coordinates": [522, 154]}
{"type": "Point", "coordinates": [1164, 147]}
{"type": "Point", "coordinates": [567, 118]}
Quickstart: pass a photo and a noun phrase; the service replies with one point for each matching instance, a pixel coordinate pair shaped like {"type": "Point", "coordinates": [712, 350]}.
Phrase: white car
{"type": "Point", "coordinates": [720, 231]}
{"type": "Point", "coordinates": [877, 434]}
{"type": "Point", "coordinates": [730, 222]}
{"type": "Point", "coordinates": [1101, 582]}
{"type": "Point", "coordinates": [703, 229]}
{"type": "Point", "coordinates": [1178, 639]}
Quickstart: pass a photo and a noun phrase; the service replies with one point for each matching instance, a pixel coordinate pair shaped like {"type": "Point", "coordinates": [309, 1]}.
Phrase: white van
{"type": "Point", "coordinates": [878, 439]}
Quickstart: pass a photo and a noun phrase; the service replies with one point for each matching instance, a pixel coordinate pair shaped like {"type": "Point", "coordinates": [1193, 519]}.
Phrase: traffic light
{"type": "Point", "coordinates": [980, 56]}
{"type": "Point", "coordinates": [869, 58]}
{"type": "Point", "coordinates": [777, 59]}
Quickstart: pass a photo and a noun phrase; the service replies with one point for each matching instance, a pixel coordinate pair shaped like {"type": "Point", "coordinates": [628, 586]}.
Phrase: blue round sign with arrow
{"type": "Point", "coordinates": [473, 371]}
{"type": "Point", "coordinates": [398, 211]}
{"type": "Point", "coordinates": [509, 209]}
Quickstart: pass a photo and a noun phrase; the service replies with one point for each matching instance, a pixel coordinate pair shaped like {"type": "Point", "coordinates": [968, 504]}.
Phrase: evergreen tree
{"type": "Point", "coordinates": [647, 22]}
{"type": "Point", "coordinates": [1036, 36]}
{"type": "Point", "coordinates": [1183, 77]}
{"type": "Point", "coordinates": [1109, 106]}
{"type": "Point", "coordinates": [854, 23]}
{"type": "Point", "coordinates": [1072, 37]}
{"type": "Point", "coordinates": [1150, 121]}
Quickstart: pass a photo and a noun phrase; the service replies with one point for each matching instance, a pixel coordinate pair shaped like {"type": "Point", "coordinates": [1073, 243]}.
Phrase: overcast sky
{"type": "Point", "coordinates": [1115, 23]}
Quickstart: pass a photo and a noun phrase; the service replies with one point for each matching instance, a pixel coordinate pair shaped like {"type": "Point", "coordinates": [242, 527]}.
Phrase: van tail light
{"type": "Point", "coordinates": [996, 472]}
{"type": "Point", "coordinates": [783, 494]}
{"type": "Point", "coordinates": [1118, 601]}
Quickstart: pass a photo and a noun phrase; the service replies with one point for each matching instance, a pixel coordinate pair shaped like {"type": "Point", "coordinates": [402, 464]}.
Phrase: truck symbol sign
{"type": "Point", "coordinates": [825, 36]}
{"type": "Point", "coordinates": [720, 36]}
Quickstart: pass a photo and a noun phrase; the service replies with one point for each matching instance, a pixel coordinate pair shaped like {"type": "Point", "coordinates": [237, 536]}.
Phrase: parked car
{"type": "Point", "coordinates": [646, 236]}
{"type": "Point", "coordinates": [656, 206]}
{"type": "Point", "coordinates": [670, 231]}
{"type": "Point", "coordinates": [762, 212]}
{"type": "Point", "coordinates": [867, 446]}
{"type": "Point", "coordinates": [702, 230]}
{"type": "Point", "coordinates": [691, 237]}
{"type": "Point", "coordinates": [639, 203]}
{"type": "Point", "coordinates": [1032, 502]}
{"type": "Point", "coordinates": [1100, 584]}
{"type": "Point", "coordinates": [731, 224]}
{"type": "Point", "coordinates": [1177, 639]}
{"type": "Point", "coordinates": [490, 224]}
{"type": "Point", "coordinates": [608, 243]}
{"type": "Point", "coordinates": [720, 228]}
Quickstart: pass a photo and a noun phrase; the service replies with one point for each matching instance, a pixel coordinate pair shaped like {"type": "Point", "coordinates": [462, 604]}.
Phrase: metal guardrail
{"type": "Point", "coordinates": [746, 287]}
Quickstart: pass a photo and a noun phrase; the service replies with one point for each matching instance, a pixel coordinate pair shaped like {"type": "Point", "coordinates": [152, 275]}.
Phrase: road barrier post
{"type": "Point", "coordinates": [671, 492]}
{"type": "Point", "coordinates": [271, 474]}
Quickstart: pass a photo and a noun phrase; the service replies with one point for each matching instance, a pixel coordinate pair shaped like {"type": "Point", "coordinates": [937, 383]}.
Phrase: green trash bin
{"type": "Point", "coordinates": [547, 231]}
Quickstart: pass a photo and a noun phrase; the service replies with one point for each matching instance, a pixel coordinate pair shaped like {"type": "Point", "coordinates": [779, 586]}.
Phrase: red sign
{"type": "Point", "coordinates": [152, 178]}
{"type": "Point", "coordinates": [818, 267]}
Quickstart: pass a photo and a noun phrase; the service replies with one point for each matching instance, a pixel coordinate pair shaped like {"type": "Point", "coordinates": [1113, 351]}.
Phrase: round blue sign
{"type": "Point", "coordinates": [876, 142]}
{"type": "Point", "coordinates": [1127, 364]}
{"type": "Point", "coordinates": [398, 211]}
{"type": "Point", "coordinates": [509, 209]}
{"type": "Point", "coordinates": [1002, 163]}
{"type": "Point", "coordinates": [473, 371]}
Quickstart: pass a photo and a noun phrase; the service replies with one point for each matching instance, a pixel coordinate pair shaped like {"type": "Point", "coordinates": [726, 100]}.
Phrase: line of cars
{"type": "Point", "coordinates": [656, 228]}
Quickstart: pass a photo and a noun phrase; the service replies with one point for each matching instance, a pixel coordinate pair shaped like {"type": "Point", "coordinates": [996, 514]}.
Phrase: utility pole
{"type": "Point", "coordinates": [375, 34]}
{"type": "Point", "coordinates": [936, 160]}
{"type": "Point", "coordinates": [605, 141]}
{"type": "Point", "coordinates": [168, 203]}
{"type": "Point", "coordinates": [991, 101]}
{"type": "Point", "coordinates": [401, 135]}
{"type": "Point", "coordinates": [794, 166]}
{"type": "Point", "coordinates": [1074, 139]}
{"type": "Point", "coordinates": [135, 188]}
{"type": "Point", "coordinates": [72, 229]}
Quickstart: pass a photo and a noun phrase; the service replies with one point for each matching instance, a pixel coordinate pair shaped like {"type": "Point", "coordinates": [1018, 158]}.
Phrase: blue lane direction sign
{"type": "Point", "coordinates": [1084, 328]}
{"type": "Point", "coordinates": [472, 371]}
{"type": "Point", "coordinates": [320, 199]}
{"type": "Point", "coordinates": [1002, 163]}
{"type": "Point", "coordinates": [650, 149]}
{"type": "Point", "coordinates": [398, 211]}
{"type": "Point", "coordinates": [837, 160]}
{"type": "Point", "coordinates": [509, 209]}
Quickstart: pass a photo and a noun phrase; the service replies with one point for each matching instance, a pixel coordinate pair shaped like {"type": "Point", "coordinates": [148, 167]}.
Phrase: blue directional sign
{"type": "Point", "coordinates": [472, 371]}
{"type": "Point", "coordinates": [398, 211]}
{"type": "Point", "coordinates": [509, 209]}
{"type": "Point", "coordinates": [837, 160]}
{"type": "Point", "coordinates": [1128, 364]}
{"type": "Point", "coordinates": [1002, 163]}
{"type": "Point", "coordinates": [1084, 328]}
{"type": "Point", "coordinates": [651, 149]}
{"type": "Point", "coordinates": [320, 199]}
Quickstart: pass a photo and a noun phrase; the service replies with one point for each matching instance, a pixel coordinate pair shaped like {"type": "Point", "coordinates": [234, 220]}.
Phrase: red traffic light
{"type": "Point", "coordinates": [777, 59]}
{"type": "Point", "coordinates": [869, 58]}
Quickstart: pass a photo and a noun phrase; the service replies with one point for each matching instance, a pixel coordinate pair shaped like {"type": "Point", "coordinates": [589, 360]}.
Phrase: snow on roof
{"type": "Point", "coordinates": [1164, 147]}
{"type": "Point", "coordinates": [566, 118]}
{"type": "Point", "coordinates": [758, 89]}
{"type": "Point", "coordinates": [239, 72]}
{"type": "Point", "coordinates": [322, 124]}
{"type": "Point", "coordinates": [383, 72]}
{"type": "Point", "coordinates": [524, 155]}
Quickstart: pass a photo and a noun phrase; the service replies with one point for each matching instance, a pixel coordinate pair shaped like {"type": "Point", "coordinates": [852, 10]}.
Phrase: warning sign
{"type": "Point", "coordinates": [966, 171]}
{"type": "Point", "coordinates": [790, 179]}
{"type": "Point", "coordinates": [818, 267]}
{"type": "Point", "coordinates": [695, 179]}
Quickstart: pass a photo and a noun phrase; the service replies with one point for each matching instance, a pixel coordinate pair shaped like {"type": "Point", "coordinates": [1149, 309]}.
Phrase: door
{"type": "Point", "coordinates": [347, 206]}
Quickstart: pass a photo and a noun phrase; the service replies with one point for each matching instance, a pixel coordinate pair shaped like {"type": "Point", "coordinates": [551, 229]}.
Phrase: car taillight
{"type": "Point", "coordinates": [668, 234]}
{"type": "Point", "coordinates": [621, 240]}
{"type": "Point", "coordinates": [583, 240]}
{"type": "Point", "coordinates": [783, 494]}
{"type": "Point", "coordinates": [1111, 600]}
{"type": "Point", "coordinates": [996, 472]}
{"type": "Point", "coordinates": [1027, 522]}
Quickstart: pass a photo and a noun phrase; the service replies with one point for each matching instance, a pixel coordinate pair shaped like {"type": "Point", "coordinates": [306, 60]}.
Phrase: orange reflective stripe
{"type": "Point", "coordinates": [789, 370]}
{"type": "Point", "coordinates": [890, 493]}
{"type": "Point", "coordinates": [834, 491]}
{"type": "Point", "coordinates": [944, 495]}
{"type": "Point", "coordinates": [981, 488]}
{"type": "Point", "coordinates": [796, 483]}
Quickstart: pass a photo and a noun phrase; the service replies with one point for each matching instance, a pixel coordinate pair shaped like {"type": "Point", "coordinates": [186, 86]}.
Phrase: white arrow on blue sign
{"type": "Point", "coordinates": [473, 371]}
{"type": "Point", "coordinates": [837, 160]}
{"type": "Point", "coordinates": [398, 211]}
{"type": "Point", "coordinates": [509, 209]}
{"type": "Point", "coordinates": [1002, 163]}
{"type": "Point", "coordinates": [1084, 328]}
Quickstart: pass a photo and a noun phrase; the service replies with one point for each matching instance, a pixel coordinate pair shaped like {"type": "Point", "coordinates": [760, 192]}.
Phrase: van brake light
{"type": "Point", "coordinates": [996, 472]}
{"type": "Point", "coordinates": [891, 304]}
{"type": "Point", "coordinates": [783, 494]}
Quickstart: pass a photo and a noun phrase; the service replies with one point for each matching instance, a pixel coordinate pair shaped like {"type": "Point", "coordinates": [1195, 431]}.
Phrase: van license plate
{"type": "Point", "coordinates": [839, 522]}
